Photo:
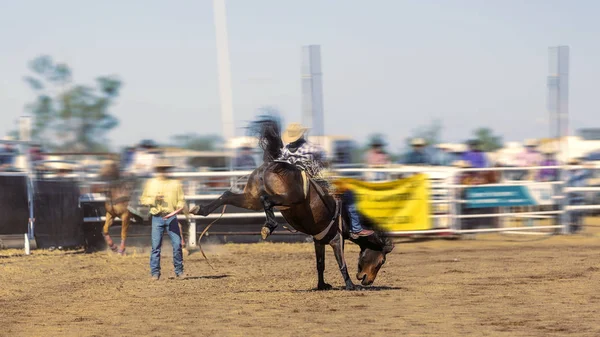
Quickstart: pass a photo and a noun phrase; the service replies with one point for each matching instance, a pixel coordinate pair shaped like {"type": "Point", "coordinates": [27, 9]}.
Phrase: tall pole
{"type": "Point", "coordinates": [224, 67]}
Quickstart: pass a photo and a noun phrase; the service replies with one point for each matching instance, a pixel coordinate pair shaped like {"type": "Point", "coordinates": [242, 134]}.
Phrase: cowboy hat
{"type": "Point", "coordinates": [461, 164]}
{"type": "Point", "coordinates": [293, 132]}
{"type": "Point", "coordinates": [548, 150]}
{"type": "Point", "coordinates": [377, 141]}
{"type": "Point", "coordinates": [61, 166]}
{"type": "Point", "coordinates": [148, 144]}
{"type": "Point", "coordinates": [418, 142]}
{"type": "Point", "coordinates": [574, 161]}
{"type": "Point", "coordinates": [246, 146]}
{"type": "Point", "coordinates": [162, 163]}
{"type": "Point", "coordinates": [8, 138]}
{"type": "Point", "coordinates": [530, 143]}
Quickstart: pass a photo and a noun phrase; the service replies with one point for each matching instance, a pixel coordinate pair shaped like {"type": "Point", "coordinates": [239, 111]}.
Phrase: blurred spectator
{"type": "Point", "coordinates": [8, 154]}
{"type": "Point", "coordinates": [127, 158]}
{"type": "Point", "coordinates": [475, 156]}
{"type": "Point", "coordinates": [577, 177]}
{"type": "Point", "coordinates": [245, 160]}
{"type": "Point", "coordinates": [144, 158]}
{"type": "Point", "coordinates": [444, 155]}
{"type": "Point", "coordinates": [548, 174]}
{"type": "Point", "coordinates": [530, 157]}
{"type": "Point", "coordinates": [417, 156]}
{"type": "Point", "coordinates": [377, 157]}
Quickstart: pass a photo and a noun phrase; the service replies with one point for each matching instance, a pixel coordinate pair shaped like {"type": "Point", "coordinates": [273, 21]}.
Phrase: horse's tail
{"type": "Point", "coordinates": [268, 130]}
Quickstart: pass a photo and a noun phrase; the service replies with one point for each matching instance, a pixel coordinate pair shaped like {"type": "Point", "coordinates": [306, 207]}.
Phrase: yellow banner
{"type": "Point", "coordinates": [400, 205]}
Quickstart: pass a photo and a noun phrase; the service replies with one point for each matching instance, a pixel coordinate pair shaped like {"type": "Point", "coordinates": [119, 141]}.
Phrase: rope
{"type": "Point", "coordinates": [212, 223]}
{"type": "Point", "coordinates": [204, 231]}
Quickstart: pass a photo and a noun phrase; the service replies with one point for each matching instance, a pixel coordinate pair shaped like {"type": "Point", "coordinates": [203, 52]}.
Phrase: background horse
{"type": "Point", "coordinates": [118, 193]}
{"type": "Point", "coordinates": [279, 185]}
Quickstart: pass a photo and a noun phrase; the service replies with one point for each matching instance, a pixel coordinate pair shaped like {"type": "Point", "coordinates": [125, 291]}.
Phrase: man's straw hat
{"type": "Point", "coordinates": [162, 163]}
{"type": "Point", "coordinates": [293, 132]}
{"type": "Point", "coordinates": [548, 150]}
{"type": "Point", "coordinates": [418, 142]}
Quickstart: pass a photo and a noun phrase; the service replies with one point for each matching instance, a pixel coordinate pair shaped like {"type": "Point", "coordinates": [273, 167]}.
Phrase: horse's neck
{"type": "Point", "coordinates": [116, 189]}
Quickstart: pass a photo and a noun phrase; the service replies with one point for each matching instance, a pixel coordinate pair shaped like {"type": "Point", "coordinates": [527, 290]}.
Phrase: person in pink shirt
{"type": "Point", "coordinates": [530, 157]}
{"type": "Point", "coordinates": [377, 157]}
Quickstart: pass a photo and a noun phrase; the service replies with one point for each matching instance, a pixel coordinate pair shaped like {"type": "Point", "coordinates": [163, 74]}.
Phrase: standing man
{"type": "Point", "coordinates": [376, 157]}
{"type": "Point", "coordinates": [417, 156]}
{"type": "Point", "coordinates": [8, 154]}
{"type": "Point", "coordinates": [165, 198]}
{"type": "Point", "coordinates": [245, 161]}
{"type": "Point", "coordinates": [475, 156]}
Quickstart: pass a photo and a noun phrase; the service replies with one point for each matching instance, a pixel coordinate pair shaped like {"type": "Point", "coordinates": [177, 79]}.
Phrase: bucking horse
{"type": "Point", "coordinates": [306, 206]}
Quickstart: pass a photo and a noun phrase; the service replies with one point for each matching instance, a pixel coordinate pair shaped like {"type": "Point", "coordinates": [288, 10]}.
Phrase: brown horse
{"type": "Point", "coordinates": [279, 185]}
{"type": "Point", "coordinates": [118, 194]}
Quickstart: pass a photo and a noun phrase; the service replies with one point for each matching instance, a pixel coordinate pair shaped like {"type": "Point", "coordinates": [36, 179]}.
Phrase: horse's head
{"type": "Point", "coordinates": [371, 258]}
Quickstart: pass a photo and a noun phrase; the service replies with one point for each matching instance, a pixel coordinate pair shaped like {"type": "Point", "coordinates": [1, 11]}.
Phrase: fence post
{"type": "Point", "coordinates": [192, 221]}
{"type": "Point", "coordinates": [563, 201]}
{"type": "Point", "coordinates": [457, 196]}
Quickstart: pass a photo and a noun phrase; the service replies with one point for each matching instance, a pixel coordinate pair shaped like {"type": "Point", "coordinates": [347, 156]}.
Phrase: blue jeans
{"type": "Point", "coordinates": [158, 228]}
{"type": "Point", "coordinates": [350, 202]}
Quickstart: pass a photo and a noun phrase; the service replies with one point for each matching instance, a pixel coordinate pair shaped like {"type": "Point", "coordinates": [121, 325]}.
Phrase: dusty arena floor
{"type": "Point", "coordinates": [497, 285]}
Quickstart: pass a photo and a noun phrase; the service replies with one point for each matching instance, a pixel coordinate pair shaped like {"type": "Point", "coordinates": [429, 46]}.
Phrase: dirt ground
{"type": "Point", "coordinates": [496, 285]}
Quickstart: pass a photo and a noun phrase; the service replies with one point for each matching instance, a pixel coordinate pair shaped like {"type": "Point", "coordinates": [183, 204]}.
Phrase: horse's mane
{"type": "Point", "coordinates": [268, 130]}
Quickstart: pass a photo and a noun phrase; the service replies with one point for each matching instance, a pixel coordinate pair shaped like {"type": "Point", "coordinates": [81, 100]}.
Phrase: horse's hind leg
{"type": "Point", "coordinates": [337, 243]}
{"type": "Point", "coordinates": [242, 200]}
{"type": "Point", "coordinates": [125, 220]}
{"type": "Point", "coordinates": [107, 223]}
{"type": "Point", "coordinates": [320, 254]}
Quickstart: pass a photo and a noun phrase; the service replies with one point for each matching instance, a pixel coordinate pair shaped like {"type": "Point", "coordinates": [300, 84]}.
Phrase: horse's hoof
{"type": "Point", "coordinates": [324, 286]}
{"type": "Point", "coordinates": [113, 247]}
{"type": "Point", "coordinates": [352, 287]}
{"type": "Point", "coordinates": [195, 210]}
{"type": "Point", "coordinates": [185, 252]}
{"type": "Point", "coordinates": [265, 232]}
{"type": "Point", "coordinates": [121, 251]}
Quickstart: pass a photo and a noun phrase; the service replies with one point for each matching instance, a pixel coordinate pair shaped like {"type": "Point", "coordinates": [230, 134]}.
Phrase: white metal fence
{"type": "Point", "coordinates": [451, 208]}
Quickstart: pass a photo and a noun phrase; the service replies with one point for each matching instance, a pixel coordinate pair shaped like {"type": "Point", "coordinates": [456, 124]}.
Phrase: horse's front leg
{"type": "Point", "coordinates": [242, 200]}
{"type": "Point", "coordinates": [268, 203]}
{"type": "Point", "coordinates": [320, 253]}
{"type": "Point", "coordinates": [107, 223]}
{"type": "Point", "coordinates": [337, 243]}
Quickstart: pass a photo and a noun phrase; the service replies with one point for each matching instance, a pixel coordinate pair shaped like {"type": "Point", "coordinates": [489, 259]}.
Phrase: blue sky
{"type": "Point", "coordinates": [389, 66]}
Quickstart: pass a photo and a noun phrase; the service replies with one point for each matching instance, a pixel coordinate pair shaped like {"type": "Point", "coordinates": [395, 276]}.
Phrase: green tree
{"type": "Point", "coordinates": [69, 116]}
{"type": "Point", "coordinates": [196, 142]}
{"type": "Point", "coordinates": [489, 141]}
{"type": "Point", "coordinates": [431, 133]}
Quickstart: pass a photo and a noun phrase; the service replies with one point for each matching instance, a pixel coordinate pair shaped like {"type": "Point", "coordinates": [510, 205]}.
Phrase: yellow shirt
{"type": "Point", "coordinates": [171, 190]}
